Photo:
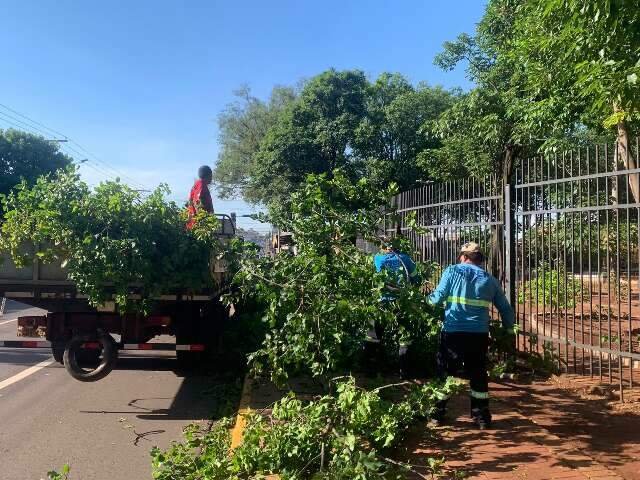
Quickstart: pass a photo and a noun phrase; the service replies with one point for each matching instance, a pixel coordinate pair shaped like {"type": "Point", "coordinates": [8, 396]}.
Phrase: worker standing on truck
{"type": "Point", "coordinates": [200, 197]}
{"type": "Point", "coordinates": [468, 291]}
{"type": "Point", "coordinates": [400, 270]}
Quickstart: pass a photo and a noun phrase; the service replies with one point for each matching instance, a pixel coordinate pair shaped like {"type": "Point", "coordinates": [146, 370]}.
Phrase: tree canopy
{"type": "Point", "coordinates": [337, 119]}
{"type": "Point", "coordinates": [390, 138]}
{"type": "Point", "coordinates": [27, 156]}
{"type": "Point", "coordinates": [487, 128]}
{"type": "Point", "coordinates": [582, 67]}
{"type": "Point", "coordinates": [593, 50]}
{"type": "Point", "coordinates": [243, 125]}
{"type": "Point", "coordinates": [313, 135]}
{"type": "Point", "coordinates": [544, 71]}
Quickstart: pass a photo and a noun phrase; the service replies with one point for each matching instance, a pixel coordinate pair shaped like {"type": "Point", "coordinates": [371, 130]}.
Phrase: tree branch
{"type": "Point", "coordinates": [405, 466]}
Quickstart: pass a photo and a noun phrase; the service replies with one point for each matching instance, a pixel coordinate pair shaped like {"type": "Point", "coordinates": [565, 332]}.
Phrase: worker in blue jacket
{"type": "Point", "coordinates": [468, 291]}
{"type": "Point", "coordinates": [401, 271]}
{"type": "Point", "coordinates": [398, 266]}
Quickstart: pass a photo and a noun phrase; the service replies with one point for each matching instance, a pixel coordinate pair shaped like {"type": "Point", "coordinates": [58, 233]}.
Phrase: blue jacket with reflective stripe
{"type": "Point", "coordinates": [469, 291]}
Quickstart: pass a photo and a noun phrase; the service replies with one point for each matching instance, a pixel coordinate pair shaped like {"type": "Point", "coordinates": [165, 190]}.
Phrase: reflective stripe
{"type": "Point", "coordinates": [469, 301]}
{"type": "Point", "coordinates": [479, 395]}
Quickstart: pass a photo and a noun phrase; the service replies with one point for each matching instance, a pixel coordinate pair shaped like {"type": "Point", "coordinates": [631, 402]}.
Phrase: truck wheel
{"type": "Point", "coordinates": [187, 333]}
{"type": "Point", "coordinates": [57, 350]}
{"type": "Point", "coordinates": [188, 361]}
{"type": "Point", "coordinates": [76, 359]}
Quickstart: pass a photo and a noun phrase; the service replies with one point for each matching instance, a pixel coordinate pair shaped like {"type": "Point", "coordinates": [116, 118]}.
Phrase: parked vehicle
{"type": "Point", "coordinates": [282, 242]}
{"type": "Point", "coordinates": [87, 339]}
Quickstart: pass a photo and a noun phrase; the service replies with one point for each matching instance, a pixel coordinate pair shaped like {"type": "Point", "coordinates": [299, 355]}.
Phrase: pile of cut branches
{"type": "Point", "coordinates": [349, 435]}
{"type": "Point", "coordinates": [109, 239]}
{"type": "Point", "coordinates": [319, 304]}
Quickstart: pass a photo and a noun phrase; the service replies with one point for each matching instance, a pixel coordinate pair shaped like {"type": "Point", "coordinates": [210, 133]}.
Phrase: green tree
{"type": "Point", "coordinates": [319, 304]}
{"type": "Point", "coordinates": [314, 135]}
{"type": "Point", "coordinates": [337, 120]}
{"type": "Point", "coordinates": [487, 129]}
{"type": "Point", "coordinates": [583, 65]}
{"type": "Point", "coordinates": [27, 156]}
{"type": "Point", "coordinates": [390, 137]}
{"type": "Point", "coordinates": [243, 125]}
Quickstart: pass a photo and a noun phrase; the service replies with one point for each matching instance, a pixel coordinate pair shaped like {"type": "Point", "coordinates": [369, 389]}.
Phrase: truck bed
{"type": "Point", "coordinates": [46, 285]}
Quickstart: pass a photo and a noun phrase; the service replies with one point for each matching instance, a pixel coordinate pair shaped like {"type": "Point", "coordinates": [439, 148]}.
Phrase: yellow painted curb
{"type": "Point", "coordinates": [243, 409]}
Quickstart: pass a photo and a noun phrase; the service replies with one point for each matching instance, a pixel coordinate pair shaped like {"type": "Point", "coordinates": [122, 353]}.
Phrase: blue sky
{"type": "Point", "coordinates": [139, 83]}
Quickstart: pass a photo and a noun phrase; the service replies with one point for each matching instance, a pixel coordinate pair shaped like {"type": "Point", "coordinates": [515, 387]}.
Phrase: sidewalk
{"type": "Point", "coordinates": [540, 432]}
{"type": "Point", "coordinates": [567, 428]}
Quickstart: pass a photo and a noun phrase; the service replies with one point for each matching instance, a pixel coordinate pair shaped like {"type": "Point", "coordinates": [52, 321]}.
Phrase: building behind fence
{"type": "Point", "coordinates": [564, 239]}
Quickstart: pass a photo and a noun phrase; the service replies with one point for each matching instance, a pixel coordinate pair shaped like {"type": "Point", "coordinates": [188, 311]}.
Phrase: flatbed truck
{"type": "Point", "coordinates": [87, 339]}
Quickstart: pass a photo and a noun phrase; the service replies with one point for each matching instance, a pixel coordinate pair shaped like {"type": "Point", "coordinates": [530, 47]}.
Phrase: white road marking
{"type": "Point", "coordinates": [8, 321]}
{"type": "Point", "coordinates": [25, 373]}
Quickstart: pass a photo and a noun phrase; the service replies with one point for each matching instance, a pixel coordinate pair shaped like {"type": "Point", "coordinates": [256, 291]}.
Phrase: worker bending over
{"type": "Point", "coordinates": [401, 271]}
{"type": "Point", "coordinates": [468, 291]}
{"type": "Point", "coordinates": [200, 197]}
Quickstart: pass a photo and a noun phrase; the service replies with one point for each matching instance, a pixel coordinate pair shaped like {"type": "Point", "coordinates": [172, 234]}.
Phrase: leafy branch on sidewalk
{"type": "Point", "coordinates": [349, 435]}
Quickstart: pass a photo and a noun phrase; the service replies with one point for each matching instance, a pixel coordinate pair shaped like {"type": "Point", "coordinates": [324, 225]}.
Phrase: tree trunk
{"type": "Point", "coordinates": [626, 157]}
{"type": "Point", "coordinates": [496, 260]}
{"type": "Point", "coordinates": [510, 155]}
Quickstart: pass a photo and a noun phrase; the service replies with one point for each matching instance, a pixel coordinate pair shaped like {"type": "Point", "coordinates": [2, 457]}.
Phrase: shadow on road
{"type": "Point", "coordinates": [22, 356]}
{"type": "Point", "coordinates": [201, 395]}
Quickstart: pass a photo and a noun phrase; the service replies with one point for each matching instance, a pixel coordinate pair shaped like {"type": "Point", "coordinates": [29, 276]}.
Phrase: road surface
{"type": "Point", "coordinates": [103, 430]}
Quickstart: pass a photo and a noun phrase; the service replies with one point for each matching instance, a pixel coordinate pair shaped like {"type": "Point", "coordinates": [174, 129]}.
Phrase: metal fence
{"type": "Point", "coordinates": [439, 217]}
{"type": "Point", "coordinates": [563, 238]}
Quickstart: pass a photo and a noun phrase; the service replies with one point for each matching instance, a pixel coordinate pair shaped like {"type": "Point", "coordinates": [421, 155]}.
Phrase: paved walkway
{"type": "Point", "coordinates": [540, 432]}
{"type": "Point", "coordinates": [566, 429]}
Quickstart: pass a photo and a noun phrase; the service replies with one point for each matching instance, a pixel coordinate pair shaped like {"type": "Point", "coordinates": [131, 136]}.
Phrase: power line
{"type": "Point", "coordinates": [102, 168]}
{"type": "Point", "coordinates": [112, 173]}
{"type": "Point", "coordinates": [65, 148]}
{"type": "Point", "coordinates": [103, 165]}
{"type": "Point", "coordinates": [25, 125]}
{"type": "Point", "coordinates": [32, 120]}
{"type": "Point", "coordinates": [107, 166]}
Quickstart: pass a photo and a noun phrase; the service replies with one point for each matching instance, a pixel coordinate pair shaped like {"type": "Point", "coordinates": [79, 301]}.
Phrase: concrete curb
{"type": "Point", "coordinates": [243, 409]}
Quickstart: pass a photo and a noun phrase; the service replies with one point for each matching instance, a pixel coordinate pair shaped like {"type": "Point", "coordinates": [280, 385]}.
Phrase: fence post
{"type": "Point", "coordinates": [509, 247]}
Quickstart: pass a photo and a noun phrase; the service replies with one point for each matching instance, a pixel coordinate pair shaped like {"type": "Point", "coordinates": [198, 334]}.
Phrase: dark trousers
{"type": "Point", "coordinates": [458, 349]}
{"type": "Point", "coordinates": [402, 350]}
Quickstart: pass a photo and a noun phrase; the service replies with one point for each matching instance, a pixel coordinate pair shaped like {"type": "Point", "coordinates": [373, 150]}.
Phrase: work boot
{"type": "Point", "coordinates": [439, 414]}
{"type": "Point", "coordinates": [403, 363]}
{"type": "Point", "coordinates": [481, 417]}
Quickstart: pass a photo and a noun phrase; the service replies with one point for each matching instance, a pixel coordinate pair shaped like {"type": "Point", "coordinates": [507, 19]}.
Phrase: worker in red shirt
{"type": "Point", "coordinates": [200, 197]}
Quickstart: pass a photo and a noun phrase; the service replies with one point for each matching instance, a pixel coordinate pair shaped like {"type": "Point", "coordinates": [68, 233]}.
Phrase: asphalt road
{"type": "Point", "coordinates": [103, 430]}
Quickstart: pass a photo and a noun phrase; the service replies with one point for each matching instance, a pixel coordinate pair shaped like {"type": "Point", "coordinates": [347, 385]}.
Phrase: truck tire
{"type": "Point", "coordinates": [57, 350]}
{"type": "Point", "coordinates": [188, 361]}
{"type": "Point", "coordinates": [73, 357]}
